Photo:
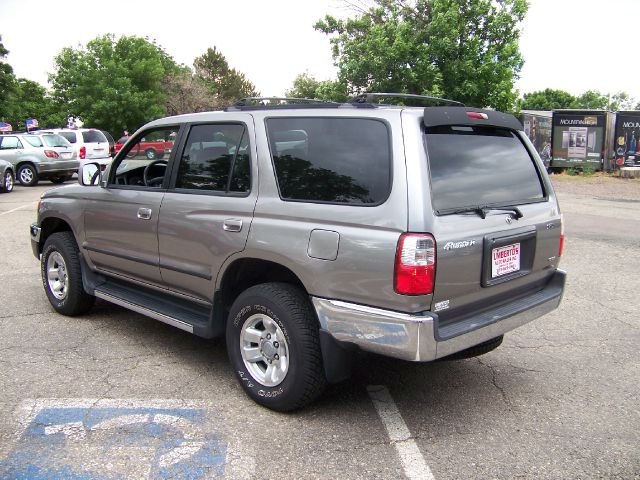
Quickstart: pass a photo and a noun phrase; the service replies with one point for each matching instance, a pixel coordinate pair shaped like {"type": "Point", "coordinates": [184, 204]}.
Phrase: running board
{"type": "Point", "coordinates": [174, 322]}
{"type": "Point", "coordinates": [178, 312]}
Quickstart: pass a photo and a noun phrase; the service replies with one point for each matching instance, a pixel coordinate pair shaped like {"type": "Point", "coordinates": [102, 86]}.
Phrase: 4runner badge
{"type": "Point", "coordinates": [456, 245]}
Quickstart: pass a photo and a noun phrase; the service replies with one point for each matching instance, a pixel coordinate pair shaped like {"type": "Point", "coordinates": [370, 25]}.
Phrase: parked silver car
{"type": "Point", "coordinates": [6, 176]}
{"type": "Point", "coordinates": [305, 232]}
{"type": "Point", "coordinates": [36, 157]}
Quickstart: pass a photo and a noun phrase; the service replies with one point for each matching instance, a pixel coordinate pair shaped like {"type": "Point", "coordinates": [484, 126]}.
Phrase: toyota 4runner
{"type": "Point", "coordinates": [303, 232]}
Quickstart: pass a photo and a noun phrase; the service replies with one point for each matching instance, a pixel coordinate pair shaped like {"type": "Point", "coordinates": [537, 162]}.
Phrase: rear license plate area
{"type": "Point", "coordinates": [508, 255]}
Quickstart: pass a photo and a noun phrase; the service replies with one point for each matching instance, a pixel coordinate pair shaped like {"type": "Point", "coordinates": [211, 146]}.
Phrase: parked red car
{"type": "Point", "coordinates": [152, 149]}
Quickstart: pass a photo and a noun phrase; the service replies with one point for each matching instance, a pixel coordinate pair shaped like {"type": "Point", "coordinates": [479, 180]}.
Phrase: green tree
{"type": "Point", "coordinates": [592, 99]}
{"type": "Point", "coordinates": [29, 99]}
{"type": "Point", "coordinates": [112, 84]}
{"type": "Point", "coordinates": [622, 101]}
{"type": "Point", "coordinates": [306, 86]}
{"type": "Point", "coordinates": [548, 99]}
{"type": "Point", "coordinates": [185, 93]}
{"type": "Point", "coordinates": [466, 50]}
{"type": "Point", "coordinates": [7, 83]}
{"type": "Point", "coordinates": [225, 83]}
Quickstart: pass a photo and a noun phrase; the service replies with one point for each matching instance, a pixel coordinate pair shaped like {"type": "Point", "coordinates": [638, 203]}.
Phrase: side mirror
{"type": "Point", "coordinates": [89, 174]}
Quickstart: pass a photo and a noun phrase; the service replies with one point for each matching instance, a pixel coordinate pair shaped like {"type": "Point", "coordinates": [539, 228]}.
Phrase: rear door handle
{"type": "Point", "coordinates": [232, 225]}
{"type": "Point", "coordinates": [144, 213]}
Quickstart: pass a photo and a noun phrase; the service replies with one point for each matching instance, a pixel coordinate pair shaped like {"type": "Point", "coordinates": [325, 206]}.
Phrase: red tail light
{"type": "Point", "coordinates": [477, 115]}
{"type": "Point", "coordinates": [51, 154]}
{"type": "Point", "coordinates": [83, 153]}
{"type": "Point", "coordinates": [415, 269]}
{"type": "Point", "coordinates": [561, 246]}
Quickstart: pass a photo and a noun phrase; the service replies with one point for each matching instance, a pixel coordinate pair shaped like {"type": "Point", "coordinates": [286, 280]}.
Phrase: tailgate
{"type": "Point", "coordinates": [495, 218]}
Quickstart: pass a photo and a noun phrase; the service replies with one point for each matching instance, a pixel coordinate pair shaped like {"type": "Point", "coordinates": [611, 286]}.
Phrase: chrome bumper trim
{"type": "Point", "coordinates": [412, 336]}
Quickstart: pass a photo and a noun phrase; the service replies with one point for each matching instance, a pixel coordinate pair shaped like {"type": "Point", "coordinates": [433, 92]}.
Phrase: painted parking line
{"type": "Point", "coordinates": [415, 467]}
{"type": "Point", "coordinates": [18, 208]}
{"type": "Point", "coordinates": [131, 439]}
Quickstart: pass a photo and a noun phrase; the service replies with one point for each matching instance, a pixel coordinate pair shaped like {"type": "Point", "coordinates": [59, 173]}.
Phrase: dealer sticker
{"type": "Point", "coordinates": [505, 260]}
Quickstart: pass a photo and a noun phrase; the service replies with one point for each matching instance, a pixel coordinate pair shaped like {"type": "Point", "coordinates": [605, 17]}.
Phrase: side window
{"type": "Point", "coordinates": [34, 141]}
{"type": "Point", "coordinates": [334, 160]}
{"type": "Point", "coordinates": [144, 162]}
{"type": "Point", "coordinates": [70, 136]}
{"type": "Point", "coordinates": [10, 143]}
{"type": "Point", "coordinates": [215, 158]}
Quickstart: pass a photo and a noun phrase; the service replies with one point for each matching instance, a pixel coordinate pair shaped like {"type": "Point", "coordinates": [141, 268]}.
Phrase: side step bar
{"type": "Point", "coordinates": [174, 322]}
{"type": "Point", "coordinates": [178, 312]}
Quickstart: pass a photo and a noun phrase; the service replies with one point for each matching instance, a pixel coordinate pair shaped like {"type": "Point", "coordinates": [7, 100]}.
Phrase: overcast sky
{"type": "Point", "coordinates": [574, 45]}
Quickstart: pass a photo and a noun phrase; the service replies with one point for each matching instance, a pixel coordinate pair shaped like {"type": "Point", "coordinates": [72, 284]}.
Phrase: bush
{"type": "Point", "coordinates": [572, 171]}
{"type": "Point", "coordinates": [588, 170]}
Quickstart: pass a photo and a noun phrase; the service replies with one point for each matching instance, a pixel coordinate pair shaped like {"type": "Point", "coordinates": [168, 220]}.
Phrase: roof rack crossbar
{"type": "Point", "coordinates": [369, 98]}
{"type": "Point", "coordinates": [243, 102]}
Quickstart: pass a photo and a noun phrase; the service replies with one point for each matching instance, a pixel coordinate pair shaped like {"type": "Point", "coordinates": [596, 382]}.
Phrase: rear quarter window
{"type": "Point", "coordinates": [333, 160]}
{"type": "Point", "coordinates": [473, 166]}
{"type": "Point", "coordinates": [70, 136]}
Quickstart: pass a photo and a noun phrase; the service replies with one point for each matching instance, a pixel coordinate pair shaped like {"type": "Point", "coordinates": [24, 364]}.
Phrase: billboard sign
{"type": "Point", "coordinates": [627, 140]}
{"type": "Point", "coordinates": [578, 139]}
{"type": "Point", "coordinates": [538, 129]}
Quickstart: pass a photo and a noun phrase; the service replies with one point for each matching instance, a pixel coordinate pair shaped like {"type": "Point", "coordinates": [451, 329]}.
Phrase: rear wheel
{"type": "Point", "coordinates": [59, 180]}
{"type": "Point", "coordinates": [62, 275]}
{"type": "Point", "coordinates": [150, 153]}
{"type": "Point", "coordinates": [27, 175]}
{"type": "Point", "coordinates": [274, 346]}
{"type": "Point", "coordinates": [7, 182]}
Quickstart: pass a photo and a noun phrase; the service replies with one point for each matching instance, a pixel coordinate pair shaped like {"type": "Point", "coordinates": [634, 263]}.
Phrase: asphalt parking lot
{"type": "Point", "coordinates": [113, 394]}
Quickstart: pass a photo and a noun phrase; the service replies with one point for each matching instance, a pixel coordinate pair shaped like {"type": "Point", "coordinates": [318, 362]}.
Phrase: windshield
{"type": "Point", "coordinates": [55, 140]}
{"type": "Point", "coordinates": [483, 166]}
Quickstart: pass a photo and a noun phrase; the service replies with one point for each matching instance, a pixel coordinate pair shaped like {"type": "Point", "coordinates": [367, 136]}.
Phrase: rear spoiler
{"type": "Point", "coordinates": [437, 116]}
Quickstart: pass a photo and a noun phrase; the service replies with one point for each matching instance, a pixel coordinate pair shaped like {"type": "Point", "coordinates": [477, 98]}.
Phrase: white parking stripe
{"type": "Point", "coordinates": [415, 467]}
{"type": "Point", "coordinates": [16, 209]}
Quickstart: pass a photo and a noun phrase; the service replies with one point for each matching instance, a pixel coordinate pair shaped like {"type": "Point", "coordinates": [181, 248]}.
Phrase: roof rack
{"type": "Point", "coordinates": [257, 103]}
{"type": "Point", "coordinates": [369, 98]}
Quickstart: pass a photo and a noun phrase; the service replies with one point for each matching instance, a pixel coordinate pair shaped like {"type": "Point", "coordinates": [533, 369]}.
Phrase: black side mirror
{"type": "Point", "coordinates": [90, 174]}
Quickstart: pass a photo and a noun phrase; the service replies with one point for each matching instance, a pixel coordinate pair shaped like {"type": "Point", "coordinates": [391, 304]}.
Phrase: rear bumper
{"type": "Point", "coordinates": [416, 337]}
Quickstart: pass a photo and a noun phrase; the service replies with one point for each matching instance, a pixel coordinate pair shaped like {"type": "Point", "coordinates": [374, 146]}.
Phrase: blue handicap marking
{"type": "Point", "coordinates": [116, 443]}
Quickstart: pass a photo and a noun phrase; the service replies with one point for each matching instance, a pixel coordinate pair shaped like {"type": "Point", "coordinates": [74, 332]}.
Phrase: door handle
{"type": "Point", "coordinates": [144, 213]}
{"type": "Point", "coordinates": [232, 225]}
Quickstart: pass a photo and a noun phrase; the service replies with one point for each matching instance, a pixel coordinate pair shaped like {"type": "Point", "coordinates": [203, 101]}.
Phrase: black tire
{"type": "Point", "coordinates": [59, 180]}
{"type": "Point", "coordinates": [75, 300]}
{"type": "Point", "coordinates": [290, 310]}
{"type": "Point", "coordinates": [28, 175]}
{"type": "Point", "coordinates": [7, 182]}
{"type": "Point", "coordinates": [477, 350]}
{"type": "Point", "coordinates": [150, 153]}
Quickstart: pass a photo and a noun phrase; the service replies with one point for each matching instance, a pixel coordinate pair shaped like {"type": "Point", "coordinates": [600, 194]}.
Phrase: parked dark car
{"type": "Point", "coordinates": [7, 176]}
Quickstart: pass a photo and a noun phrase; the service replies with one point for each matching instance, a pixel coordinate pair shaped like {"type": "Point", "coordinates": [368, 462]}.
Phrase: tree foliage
{"type": "Point", "coordinates": [226, 84]}
{"type": "Point", "coordinates": [466, 50]}
{"type": "Point", "coordinates": [112, 84]}
{"type": "Point", "coordinates": [7, 79]}
{"type": "Point", "coordinates": [306, 86]}
{"type": "Point", "coordinates": [185, 93]}
{"type": "Point", "coordinates": [548, 99]}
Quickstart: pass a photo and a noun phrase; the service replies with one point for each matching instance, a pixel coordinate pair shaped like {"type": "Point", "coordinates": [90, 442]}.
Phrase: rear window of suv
{"type": "Point", "coordinates": [479, 166]}
{"type": "Point", "coordinates": [334, 160]}
{"type": "Point", "coordinates": [93, 136]}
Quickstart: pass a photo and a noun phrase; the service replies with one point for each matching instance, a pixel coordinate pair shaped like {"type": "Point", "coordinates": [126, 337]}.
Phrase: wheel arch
{"type": "Point", "coordinates": [51, 225]}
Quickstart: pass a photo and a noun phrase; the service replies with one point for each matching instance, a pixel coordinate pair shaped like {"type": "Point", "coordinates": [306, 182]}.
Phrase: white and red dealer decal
{"type": "Point", "coordinates": [505, 260]}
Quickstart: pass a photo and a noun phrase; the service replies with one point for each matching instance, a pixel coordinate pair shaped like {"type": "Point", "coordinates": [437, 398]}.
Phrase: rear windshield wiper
{"type": "Point", "coordinates": [481, 210]}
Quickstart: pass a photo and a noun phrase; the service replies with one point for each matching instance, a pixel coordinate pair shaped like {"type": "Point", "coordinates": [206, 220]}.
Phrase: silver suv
{"type": "Point", "coordinates": [306, 232]}
{"type": "Point", "coordinates": [36, 157]}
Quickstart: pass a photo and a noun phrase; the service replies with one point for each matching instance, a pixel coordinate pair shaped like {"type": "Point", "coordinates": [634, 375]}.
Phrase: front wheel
{"type": "Point", "coordinates": [27, 175]}
{"type": "Point", "coordinates": [62, 275]}
{"type": "Point", "coordinates": [274, 347]}
{"type": "Point", "coordinates": [7, 182]}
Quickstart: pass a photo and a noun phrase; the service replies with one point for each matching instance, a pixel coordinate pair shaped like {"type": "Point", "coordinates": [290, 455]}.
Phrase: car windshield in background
{"type": "Point", "coordinates": [33, 141]}
{"type": "Point", "coordinates": [93, 136]}
{"type": "Point", "coordinates": [55, 141]}
{"type": "Point", "coordinates": [479, 166]}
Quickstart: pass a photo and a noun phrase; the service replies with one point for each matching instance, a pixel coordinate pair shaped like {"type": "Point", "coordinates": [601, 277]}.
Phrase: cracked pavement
{"type": "Point", "coordinates": [558, 399]}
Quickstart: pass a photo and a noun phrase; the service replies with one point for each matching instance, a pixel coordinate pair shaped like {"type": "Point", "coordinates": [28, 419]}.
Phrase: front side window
{"type": "Point", "coordinates": [144, 162]}
{"type": "Point", "coordinates": [10, 143]}
{"type": "Point", "coordinates": [215, 158]}
{"type": "Point", "coordinates": [479, 166]}
{"type": "Point", "coordinates": [335, 160]}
